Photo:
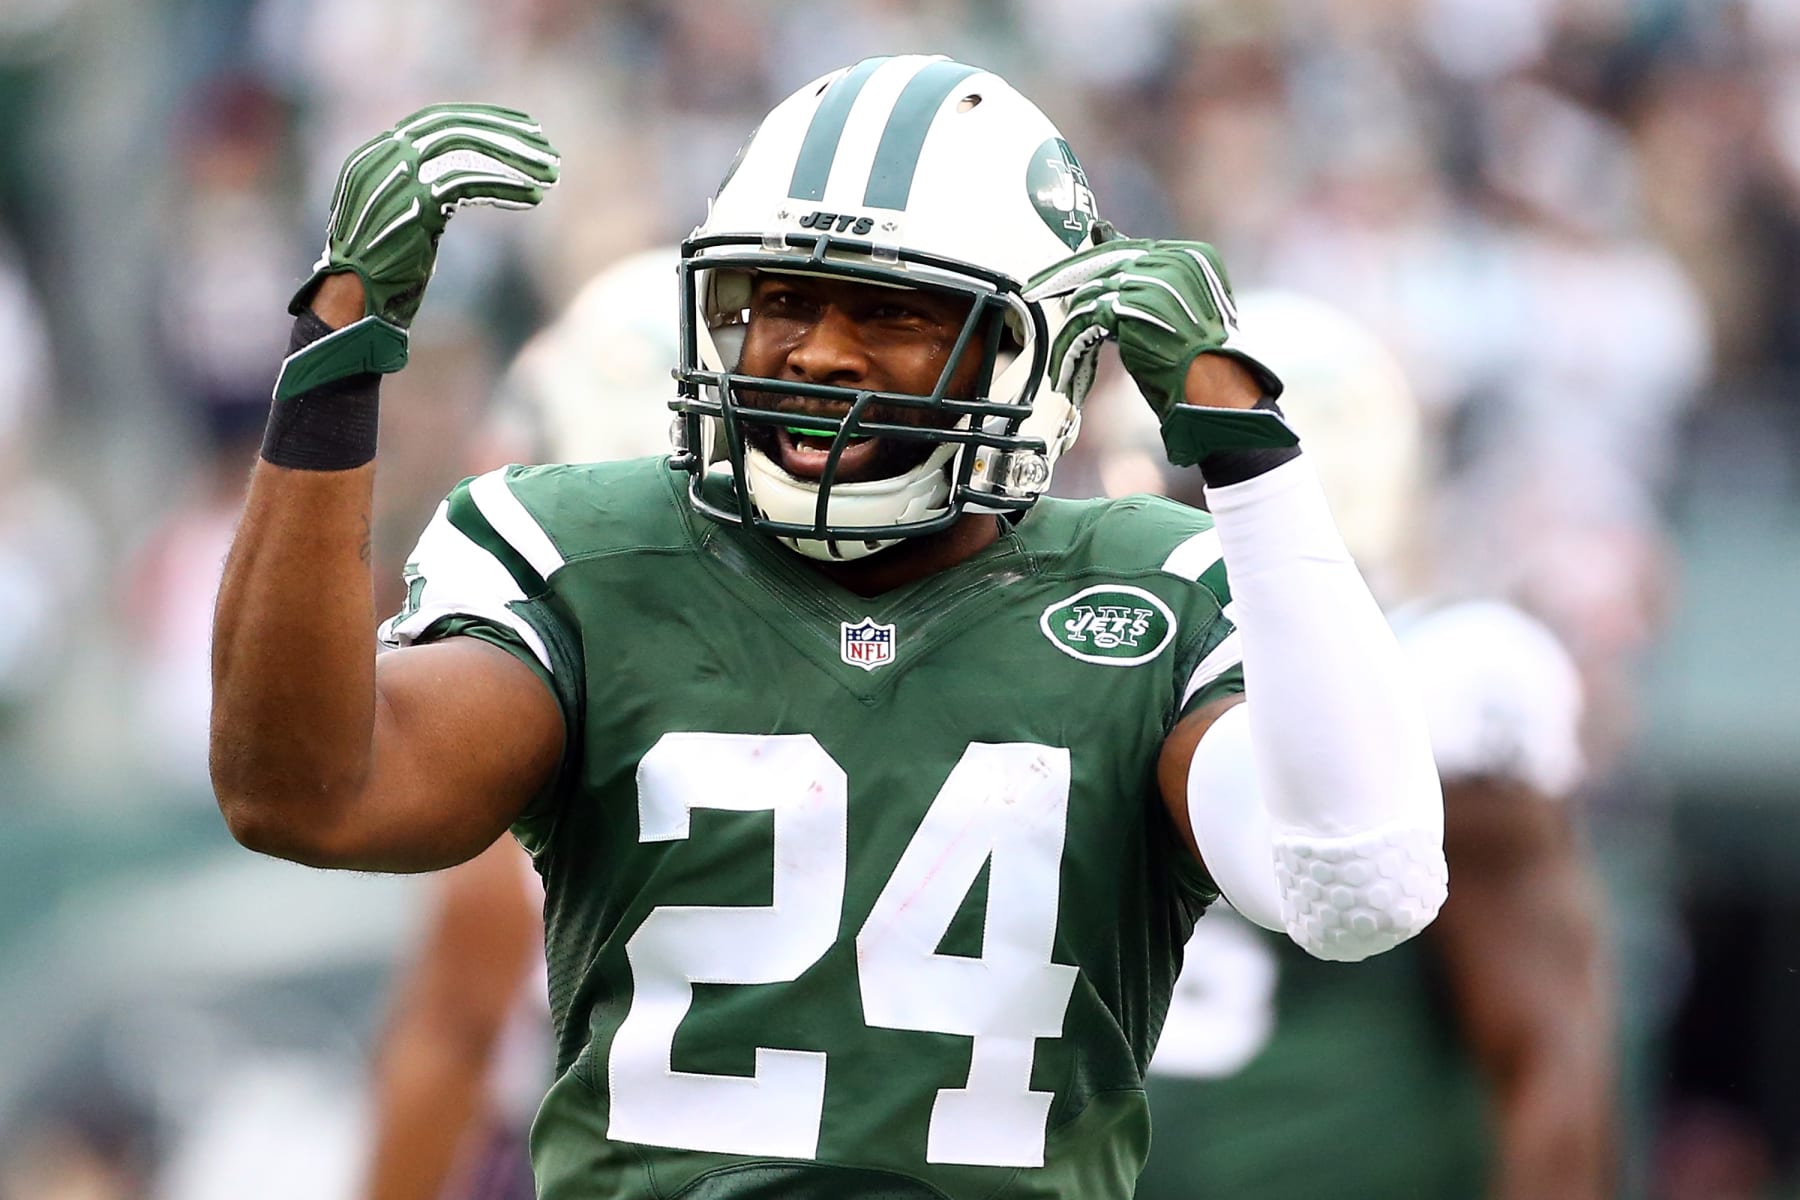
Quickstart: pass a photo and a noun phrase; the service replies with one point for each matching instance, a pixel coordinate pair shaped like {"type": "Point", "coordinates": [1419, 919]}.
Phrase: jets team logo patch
{"type": "Point", "coordinates": [1112, 626]}
{"type": "Point", "coordinates": [1059, 188]}
{"type": "Point", "coordinates": [866, 644]}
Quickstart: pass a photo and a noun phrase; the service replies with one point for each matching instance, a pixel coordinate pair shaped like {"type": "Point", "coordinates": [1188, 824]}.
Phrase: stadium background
{"type": "Point", "coordinates": [1578, 221]}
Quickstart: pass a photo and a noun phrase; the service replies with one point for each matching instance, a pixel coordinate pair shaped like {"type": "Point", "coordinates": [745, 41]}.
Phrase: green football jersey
{"type": "Point", "coordinates": [1285, 1077]}
{"type": "Point", "coordinates": [845, 897]}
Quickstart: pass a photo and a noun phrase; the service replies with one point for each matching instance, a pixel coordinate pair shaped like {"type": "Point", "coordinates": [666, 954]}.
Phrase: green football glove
{"type": "Point", "coordinates": [1165, 303]}
{"type": "Point", "coordinates": [393, 197]}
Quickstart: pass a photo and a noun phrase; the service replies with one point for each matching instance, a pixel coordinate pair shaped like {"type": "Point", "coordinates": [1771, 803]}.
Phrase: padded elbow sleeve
{"type": "Point", "coordinates": [1341, 898]}
{"type": "Point", "coordinates": [1346, 898]}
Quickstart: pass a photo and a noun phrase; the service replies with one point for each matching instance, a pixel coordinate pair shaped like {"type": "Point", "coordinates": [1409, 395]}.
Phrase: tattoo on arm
{"type": "Point", "coordinates": [367, 550]}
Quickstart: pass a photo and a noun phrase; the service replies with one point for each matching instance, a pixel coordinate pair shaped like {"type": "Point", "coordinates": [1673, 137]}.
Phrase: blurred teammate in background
{"type": "Point", "coordinates": [466, 1055]}
{"type": "Point", "coordinates": [1476, 1062]}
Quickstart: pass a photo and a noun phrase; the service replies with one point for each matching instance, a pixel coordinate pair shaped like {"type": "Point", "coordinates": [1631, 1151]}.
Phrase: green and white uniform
{"type": "Point", "coordinates": [846, 897]}
{"type": "Point", "coordinates": [1280, 1076]}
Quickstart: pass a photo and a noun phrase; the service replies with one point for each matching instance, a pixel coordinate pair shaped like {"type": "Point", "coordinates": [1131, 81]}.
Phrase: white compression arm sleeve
{"type": "Point", "coordinates": [1341, 754]}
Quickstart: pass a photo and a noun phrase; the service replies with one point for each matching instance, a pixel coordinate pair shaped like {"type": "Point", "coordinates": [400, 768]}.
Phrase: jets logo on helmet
{"type": "Point", "coordinates": [1059, 188]}
{"type": "Point", "coordinates": [909, 172]}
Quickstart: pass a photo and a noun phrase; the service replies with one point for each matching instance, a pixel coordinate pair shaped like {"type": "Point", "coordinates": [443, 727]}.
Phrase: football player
{"type": "Point", "coordinates": [1476, 1061]}
{"type": "Point", "coordinates": [464, 1057]}
{"type": "Point", "coordinates": [874, 796]}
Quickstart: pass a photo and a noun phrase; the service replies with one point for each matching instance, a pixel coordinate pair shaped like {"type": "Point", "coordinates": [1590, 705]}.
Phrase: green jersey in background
{"type": "Point", "coordinates": [1284, 1077]}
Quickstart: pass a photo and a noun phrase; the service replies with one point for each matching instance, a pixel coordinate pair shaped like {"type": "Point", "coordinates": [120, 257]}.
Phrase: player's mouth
{"type": "Point", "coordinates": [803, 451]}
{"type": "Point", "coordinates": [803, 454]}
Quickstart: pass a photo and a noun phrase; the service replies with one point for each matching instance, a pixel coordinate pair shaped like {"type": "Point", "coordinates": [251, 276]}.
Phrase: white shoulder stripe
{"type": "Point", "coordinates": [1190, 560]}
{"type": "Point", "coordinates": [455, 577]}
{"type": "Point", "coordinates": [1224, 656]}
{"type": "Point", "coordinates": [513, 522]}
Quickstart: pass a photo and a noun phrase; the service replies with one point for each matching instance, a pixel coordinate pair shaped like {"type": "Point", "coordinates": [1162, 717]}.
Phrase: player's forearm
{"type": "Point", "coordinates": [1552, 1085]}
{"type": "Point", "coordinates": [293, 659]}
{"type": "Point", "coordinates": [1538, 1014]}
{"type": "Point", "coordinates": [1340, 743]}
{"type": "Point", "coordinates": [428, 1100]}
{"type": "Point", "coordinates": [1554, 1138]}
{"type": "Point", "coordinates": [448, 1016]}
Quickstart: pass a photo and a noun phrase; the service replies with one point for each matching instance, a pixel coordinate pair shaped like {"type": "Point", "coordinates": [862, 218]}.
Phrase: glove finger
{"type": "Point", "coordinates": [524, 152]}
{"type": "Point", "coordinates": [1105, 231]}
{"type": "Point", "coordinates": [511, 203]}
{"type": "Point", "coordinates": [1085, 329]}
{"type": "Point", "coordinates": [425, 131]}
{"type": "Point", "coordinates": [1143, 295]}
{"type": "Point", "coordinates": [438, 115]}
{"type": "Point", "coordinates": [465, 172]}
{"type": "Point", "coordinates": [1073, 368]}
{"type": "Point", "coordinates": [1059, 348]}
{"type": "Point", "coordinates": [1070, 273]}
{"type": "Point", "coordinates": [468, 153]}
{"type": "Point", "coordinates": [487, 190]}
{"type": "Point", "coordinates": [1094, 303]}
{"type": "Point", "coordinates": [1204, 262]}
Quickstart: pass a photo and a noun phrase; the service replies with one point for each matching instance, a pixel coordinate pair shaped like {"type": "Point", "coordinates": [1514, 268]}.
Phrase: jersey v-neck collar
{"type": "Point", "coordinates": [771, 580]}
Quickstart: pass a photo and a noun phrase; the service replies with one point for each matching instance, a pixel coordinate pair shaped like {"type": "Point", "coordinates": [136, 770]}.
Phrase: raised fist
{"type": "Point", "coordinates": [396, 193]}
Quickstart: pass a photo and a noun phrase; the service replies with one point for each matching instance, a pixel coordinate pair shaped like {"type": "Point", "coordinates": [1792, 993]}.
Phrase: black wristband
{"type": "Point", "coordinates": [330, 428]}
{"type": "Point", "coordinates": [1227, 467]}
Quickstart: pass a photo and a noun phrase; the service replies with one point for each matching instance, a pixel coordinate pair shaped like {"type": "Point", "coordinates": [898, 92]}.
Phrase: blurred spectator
{"type": "Point", "coordinates": [49, 548]}
{"type": "Point", "coordinates": [230, 230]}
{"type": "Point", "coordinates": [1575, 220]}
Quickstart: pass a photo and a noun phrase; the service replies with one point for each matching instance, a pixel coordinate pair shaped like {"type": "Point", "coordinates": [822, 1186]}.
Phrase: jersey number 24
{"type": "Point", "coordinates": [1005, 802]}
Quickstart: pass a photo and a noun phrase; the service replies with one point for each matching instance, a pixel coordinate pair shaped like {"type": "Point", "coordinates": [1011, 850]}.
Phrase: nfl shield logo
{"type": "Point", "coordinates": [867, 645]}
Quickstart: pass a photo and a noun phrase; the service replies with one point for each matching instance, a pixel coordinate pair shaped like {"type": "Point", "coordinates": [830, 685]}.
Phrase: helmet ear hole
{"type": "Point", "coordinates": [968, 102]}
{"type": "Point", "coordinates": [731, 290]}
{"type": "Point", "coordinates": [1015, 330]}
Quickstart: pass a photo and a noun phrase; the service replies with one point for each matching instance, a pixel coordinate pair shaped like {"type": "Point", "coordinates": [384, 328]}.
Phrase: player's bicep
{"type": "Point", "coordinates": [482, 682]}
{"type": "Point", "coordinates": [465, 736]}
{"type": "Point", "coordinates": [1207, 779]}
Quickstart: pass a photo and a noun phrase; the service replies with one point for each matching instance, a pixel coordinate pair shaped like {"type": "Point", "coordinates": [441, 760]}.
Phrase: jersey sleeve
{"type": "Point", "coordinates": [1502, 697]}
{"type": "Point", "coordinates": [481, 570]}
{"type": "Point", "coordinates": [1209, 665]}
{"type": "Point", "coordinates": [1213, 666]}
{"type": "Point", "coordinates": [467, 565]}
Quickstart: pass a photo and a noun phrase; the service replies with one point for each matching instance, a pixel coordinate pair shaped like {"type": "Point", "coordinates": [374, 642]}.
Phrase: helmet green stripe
{"type": "Point", "coordinates": [897, 157]}
{"type": "Point", "coordinates": [813, 167]}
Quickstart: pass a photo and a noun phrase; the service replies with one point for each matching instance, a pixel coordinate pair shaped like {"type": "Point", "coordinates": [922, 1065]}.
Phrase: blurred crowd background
{"type": "Point", "coordinates": [1576, 221]}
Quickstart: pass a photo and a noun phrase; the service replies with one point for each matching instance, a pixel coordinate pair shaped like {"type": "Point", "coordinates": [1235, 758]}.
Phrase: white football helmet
{"type": "Point", "coordinates": [597, 382]}
{"type": "Point", "coordinates": [1359, 423]}
{"type": "Point", "coordinates": [911, 172]}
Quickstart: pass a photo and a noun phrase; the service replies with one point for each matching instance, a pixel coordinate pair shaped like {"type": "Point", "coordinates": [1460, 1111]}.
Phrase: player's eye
{"type": "Point", "coordinates": [900, 312]}
{"type": "Point", "coordinates": [780, 302]}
